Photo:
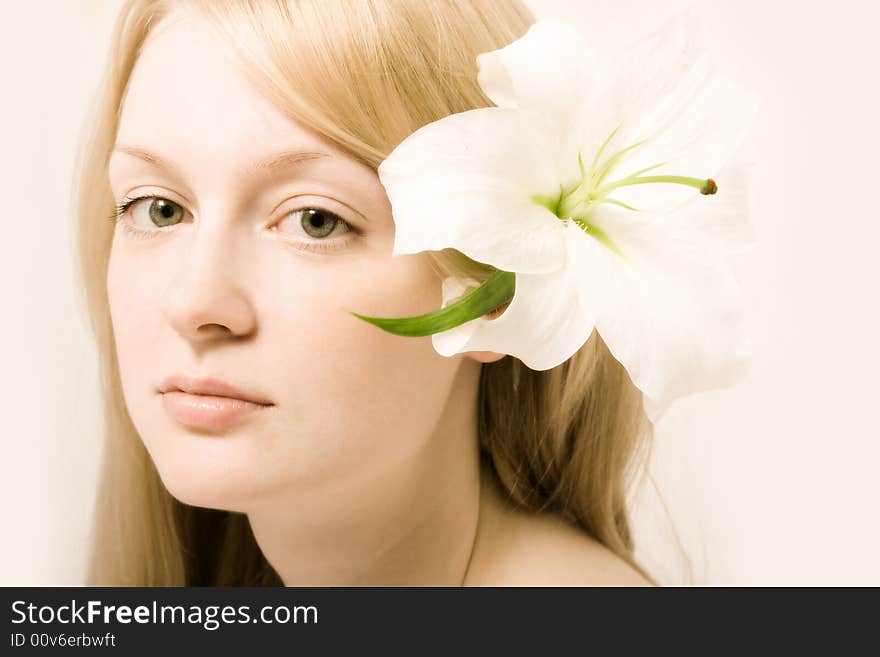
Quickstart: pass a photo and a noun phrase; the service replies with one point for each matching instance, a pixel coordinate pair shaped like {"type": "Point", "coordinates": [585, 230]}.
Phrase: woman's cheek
{"type": "Point", "coordinates": [133, 298]}
{"type": "Point", "coordinates": [351, 358]}
{"type": "Point", "coordinates": [319, 297]}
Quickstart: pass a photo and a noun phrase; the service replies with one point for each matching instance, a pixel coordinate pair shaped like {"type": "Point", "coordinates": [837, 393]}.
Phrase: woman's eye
{"type": "Point", "coordinates": [159, 212]}
{"type": "Point", "coordinates": [315, 222]}
{"type": "Point", "coordinates": [146, 214]}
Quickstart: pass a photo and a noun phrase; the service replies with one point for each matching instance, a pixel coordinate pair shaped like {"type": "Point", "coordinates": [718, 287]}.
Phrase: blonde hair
{"type": "Point", "coordinates": [365, 75]}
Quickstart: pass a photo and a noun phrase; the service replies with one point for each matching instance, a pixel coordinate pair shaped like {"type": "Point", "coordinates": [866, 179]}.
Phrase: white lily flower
{"type": "Point", "coordinates": [579, 182]}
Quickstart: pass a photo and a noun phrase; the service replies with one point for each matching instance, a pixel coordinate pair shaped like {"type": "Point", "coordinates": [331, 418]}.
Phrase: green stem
{"type": "Point", "coordinates": [495, 291]}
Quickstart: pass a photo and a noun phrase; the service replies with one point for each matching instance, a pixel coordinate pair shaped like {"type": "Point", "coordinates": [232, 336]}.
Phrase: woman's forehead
{"type": "Point", "coordinates": [188, 107]}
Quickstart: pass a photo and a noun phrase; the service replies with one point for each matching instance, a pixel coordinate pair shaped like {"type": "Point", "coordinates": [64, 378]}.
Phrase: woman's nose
{"type": "Point", "coordinates": [207, 298]}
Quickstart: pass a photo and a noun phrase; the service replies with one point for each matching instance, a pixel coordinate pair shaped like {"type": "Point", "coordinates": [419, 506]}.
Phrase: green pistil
{"type": "Point", "coordinates": [705, 185]}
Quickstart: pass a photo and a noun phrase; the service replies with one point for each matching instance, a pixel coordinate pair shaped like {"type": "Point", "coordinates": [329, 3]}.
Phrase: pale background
{"type": "Point", "coordinates": [773, 481]}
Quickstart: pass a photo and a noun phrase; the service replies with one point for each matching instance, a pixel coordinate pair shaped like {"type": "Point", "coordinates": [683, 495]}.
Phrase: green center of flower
{"type": "Point", "coordinates": [577, 202]}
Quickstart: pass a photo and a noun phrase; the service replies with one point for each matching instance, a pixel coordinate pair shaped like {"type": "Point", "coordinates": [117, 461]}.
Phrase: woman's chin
{"type": "Point", "coordinates": [211, 489]}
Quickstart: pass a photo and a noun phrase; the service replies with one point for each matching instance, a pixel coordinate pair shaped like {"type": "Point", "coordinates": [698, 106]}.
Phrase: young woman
{"type": "Point", "coordinates": [257, 432]}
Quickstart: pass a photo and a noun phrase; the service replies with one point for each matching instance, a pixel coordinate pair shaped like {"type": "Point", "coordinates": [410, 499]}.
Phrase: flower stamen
{"type": "Point", "coordinates": [593, 190]}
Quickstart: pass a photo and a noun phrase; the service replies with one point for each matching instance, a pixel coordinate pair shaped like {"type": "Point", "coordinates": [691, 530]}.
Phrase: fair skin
{"type": "Point", "coordinates": [365, 469]}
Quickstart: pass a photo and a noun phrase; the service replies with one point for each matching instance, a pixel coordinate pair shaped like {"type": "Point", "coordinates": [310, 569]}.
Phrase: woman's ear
{"type": "Point", "coordinates": [489, 356]}
{"type": "Point", "coordinates": [484, 356]}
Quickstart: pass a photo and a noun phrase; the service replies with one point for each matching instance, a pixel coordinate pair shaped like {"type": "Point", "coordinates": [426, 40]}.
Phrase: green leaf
{"type": "Point", "coordinates": [495, 291]}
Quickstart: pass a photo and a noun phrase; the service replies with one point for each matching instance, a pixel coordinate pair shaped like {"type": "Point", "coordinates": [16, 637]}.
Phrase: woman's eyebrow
{"type": "Point", "coordinates": [273, 164]}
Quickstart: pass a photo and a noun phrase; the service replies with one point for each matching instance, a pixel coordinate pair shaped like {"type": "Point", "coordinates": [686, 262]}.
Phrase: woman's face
{"type": "Point", "coordinates": [230, 277]}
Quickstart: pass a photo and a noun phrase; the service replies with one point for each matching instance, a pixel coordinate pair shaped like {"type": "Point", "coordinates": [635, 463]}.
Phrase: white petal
{"type": "Point", "coordinates": [671, 313]}
{"type": "Point", "coordinates": [448, 343]}
{"type": "Point", "coordinates": [716, 225]}
{"type": "Point", "coordinates": [696, 142]}
{"type": "Point", "coordinates": [547, 70]}
{"type": "Point", "coordinates": [465, 182]}
{"type": "Point", "coordinates": [544, 325]}
{"type": "Point", "coordinates": [651, 78]}
{"type": "Point", "coordinates": [455, 287]}
{"type": "Point", "coordinates": [544, 70]}
{"type": "Point", "coordinates": [666, 91]}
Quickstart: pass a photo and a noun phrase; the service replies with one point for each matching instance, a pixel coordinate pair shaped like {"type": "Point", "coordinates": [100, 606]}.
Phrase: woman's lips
{"type": "Point", "coordinates": [208, 411]}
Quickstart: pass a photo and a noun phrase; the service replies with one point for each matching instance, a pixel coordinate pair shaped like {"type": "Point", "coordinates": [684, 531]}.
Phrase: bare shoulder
{"type": "Point", "coordinates": [519, 548]}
